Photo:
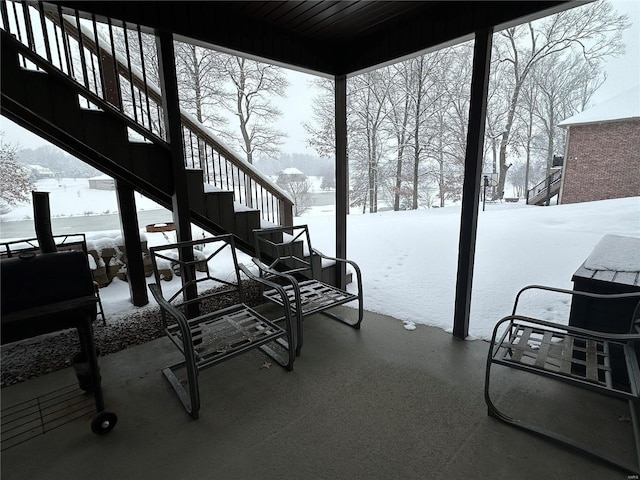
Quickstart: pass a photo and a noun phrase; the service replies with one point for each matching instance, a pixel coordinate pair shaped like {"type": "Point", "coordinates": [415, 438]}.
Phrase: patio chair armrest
{"type": "Point", "coordinates": [353, 264]}
{"type": "Point", "coordinates": [582, 332]}
{"type": "Point", "coordinates": [288, 278]}
{"type": "Point", "coordinates": [336, 259]}
{"type": "Point", "coordinates": [175, 313]}
{"type": "Point", "coordinates": [285, 299]}
{"type": "Point", "coordinates": [579, 293]}
{"type": "Point", "coordinates": [342, 260]}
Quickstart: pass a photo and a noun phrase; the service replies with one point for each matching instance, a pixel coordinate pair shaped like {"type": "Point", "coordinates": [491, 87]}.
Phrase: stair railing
{"type": "Point", "coordinates": [114, 63]}
{"type": "Point", "coordinates": [545, 189]}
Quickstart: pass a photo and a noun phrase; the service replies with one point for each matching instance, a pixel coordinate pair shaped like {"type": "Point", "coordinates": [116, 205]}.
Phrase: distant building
{"type": "Point", "coordinates": [291, 171]}
{"type": "Point", "coordinates": [289, 175]}
{"type": "Point", "coordinates": [103, 182]}
{"type": "Point", "coordinates": [602, 158]}
{"type": "Point", "coordinates": [38, 171]}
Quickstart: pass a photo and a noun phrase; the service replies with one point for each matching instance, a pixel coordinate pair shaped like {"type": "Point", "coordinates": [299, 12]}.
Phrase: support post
{"type": "Point", "coordinates": [342, 177]}
{"type": "Point", "coordinates": [472, 176]}
{"type": "Point", "coordinates": [131, 236]}
{"type": "Point", "coordinates": [126, 201]}
{"type": "Point", "coordinates": [173, 124]}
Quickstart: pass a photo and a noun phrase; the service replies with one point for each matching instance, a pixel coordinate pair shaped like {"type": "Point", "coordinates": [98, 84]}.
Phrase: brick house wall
{"type": "Point", "coordinates": [602, 162]}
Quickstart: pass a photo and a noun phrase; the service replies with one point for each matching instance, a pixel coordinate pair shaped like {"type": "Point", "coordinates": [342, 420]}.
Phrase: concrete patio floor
{"type": "Point", "coordinates": [379, 403]}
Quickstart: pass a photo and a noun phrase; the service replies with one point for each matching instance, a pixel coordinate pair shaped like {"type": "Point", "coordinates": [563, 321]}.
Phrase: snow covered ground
{"type": "Point", "coordinates": [73, 197]}
{"type": "Point", "coordinates": [409, 259]}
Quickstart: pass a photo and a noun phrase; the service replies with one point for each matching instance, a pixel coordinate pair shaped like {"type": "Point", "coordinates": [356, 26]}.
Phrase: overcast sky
{"type": "Point", "coordinates": [623, 73]}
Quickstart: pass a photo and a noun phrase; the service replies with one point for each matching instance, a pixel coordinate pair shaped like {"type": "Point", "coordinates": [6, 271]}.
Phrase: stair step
{"type": "Point", "coordinates": [219, 207]}
{"type": "Point", "coordinates": [106, 135]}
{"type": "Point", "coordinates": [66, 109]}
{"type": "Point", "coordinates": [247, 221]}
{"type": "Point", "coordinates": [270, 251]}
{"type": "Point", "coordinates": [195, 187]}
{"type": "Point", "coordinates": [39, 99]}
{"type": "Point", "coordinates": [329, 275]}
{"type": "Point", "coordinates": [152, 163]}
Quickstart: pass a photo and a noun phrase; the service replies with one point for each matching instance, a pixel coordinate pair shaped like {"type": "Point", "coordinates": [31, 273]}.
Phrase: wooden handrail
{"type": "Point", "coordinates": [550, 180]}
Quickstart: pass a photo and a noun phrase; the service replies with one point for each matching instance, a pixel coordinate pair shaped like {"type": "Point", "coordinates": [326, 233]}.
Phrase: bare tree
{"type": "Point", "coordinates": [563, 85]}
{"type": "Point", "coordinates": [421, 103]}
{"type": "Point", "coordinates": [417, 110]}
{"type": "Point", "coordinates": [201, 80]}
{"type": "Point", "coordinates": [253, 84]}
{"type": "Point", "coordinates": [367, 100]}
{"type": "Point", "coordinates": [14, 179]}
{"type": "Point", "coordinates": [399, 84]}
{"type": "Point", "coordinates": [451, 110]}
{"type": "Point", "coordinates": [527, 118]}
{"type": "Point", "coordinates": [593, 30]}
{"type": "Point", "coordinates": [298, 186]}
{"type": "Point", "coordinates": [321, 131]}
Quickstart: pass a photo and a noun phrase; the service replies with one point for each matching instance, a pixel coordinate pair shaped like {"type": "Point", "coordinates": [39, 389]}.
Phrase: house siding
{"type": "Point", "coordinates": [602, 162]}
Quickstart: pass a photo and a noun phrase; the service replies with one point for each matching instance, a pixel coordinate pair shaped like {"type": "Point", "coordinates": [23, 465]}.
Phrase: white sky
{"type": "Point", "coordinates": [623, 73]}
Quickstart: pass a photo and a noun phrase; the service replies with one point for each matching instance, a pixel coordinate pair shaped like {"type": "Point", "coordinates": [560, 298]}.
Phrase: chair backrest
{"type": "Point", "coordinates": [207, 268]}
{"type": "Point", "coordinates": [286, 249]}
{"type": "Point", "coordinates": [71, 241]}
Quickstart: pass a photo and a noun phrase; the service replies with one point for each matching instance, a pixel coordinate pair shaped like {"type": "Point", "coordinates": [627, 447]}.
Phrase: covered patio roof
{"type": "Point", "coordinates": [329, 37]}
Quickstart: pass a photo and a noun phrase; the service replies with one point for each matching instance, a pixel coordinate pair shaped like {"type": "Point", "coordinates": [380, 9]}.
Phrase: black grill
{"type": "Point", "coordinates": [43, 293]}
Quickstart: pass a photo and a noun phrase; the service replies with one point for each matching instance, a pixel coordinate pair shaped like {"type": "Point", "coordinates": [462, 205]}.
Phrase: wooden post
{"type": "Point", "coordinates": [342, 177]}
{"type": "Point", "coordinates": [286, 213]}
{"type": "Point", "coordinates": [472, 176]}
{"type": "Point", "coordinates": [131, 238]}
{"type": "Point", "coordinates": [126, 200]}
{"type": "Point", "coordinates": [173, 124]}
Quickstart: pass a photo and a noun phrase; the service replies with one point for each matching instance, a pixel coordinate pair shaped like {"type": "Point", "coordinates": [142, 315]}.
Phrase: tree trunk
{"type": "Point", "coordinates": [242, 118]}
{"type": "Point", "coordinates": [396, 196]}
{"type": "Point", "coordinates": [416, 164]}
{"type": "Point", "coordinates": [416, 159]}
{"type": "Point", "coordinates": [373, 194]}
{"type": "Point", "coordinates": [505, 140]}
{"type": "Point", "coordinates": [441, 180]}
{"type": "Point", "coordinates": [416, 136]}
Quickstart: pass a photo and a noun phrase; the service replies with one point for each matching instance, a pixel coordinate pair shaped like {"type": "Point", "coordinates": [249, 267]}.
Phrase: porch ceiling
{"type": "Point", "coordinates": [326, 37]}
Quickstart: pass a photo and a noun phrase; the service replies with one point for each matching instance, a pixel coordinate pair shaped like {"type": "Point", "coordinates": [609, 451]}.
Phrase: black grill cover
{"type": "Point", "coordinates": [31, 285]}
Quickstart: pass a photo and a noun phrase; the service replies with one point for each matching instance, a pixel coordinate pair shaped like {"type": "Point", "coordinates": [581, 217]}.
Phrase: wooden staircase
{"type": "Point", "coordinates": [50, 105]}
{"type": "Point", "coordinates": [82, 94]}
{"type": "Point", "coordinates": [545, 190]}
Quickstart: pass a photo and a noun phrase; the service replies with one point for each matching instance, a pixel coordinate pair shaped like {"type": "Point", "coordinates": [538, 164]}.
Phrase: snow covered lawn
{"type": "Point", "coordinates": [409, 259]}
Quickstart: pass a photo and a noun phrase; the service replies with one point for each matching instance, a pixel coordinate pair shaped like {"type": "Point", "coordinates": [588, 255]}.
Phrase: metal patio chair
{"type": "Point", "coordinates": [605, 363]}
{"type": "Point", "coordinates": [285, 255]}
{"type": "Point", "coordinates": [198, 319]}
